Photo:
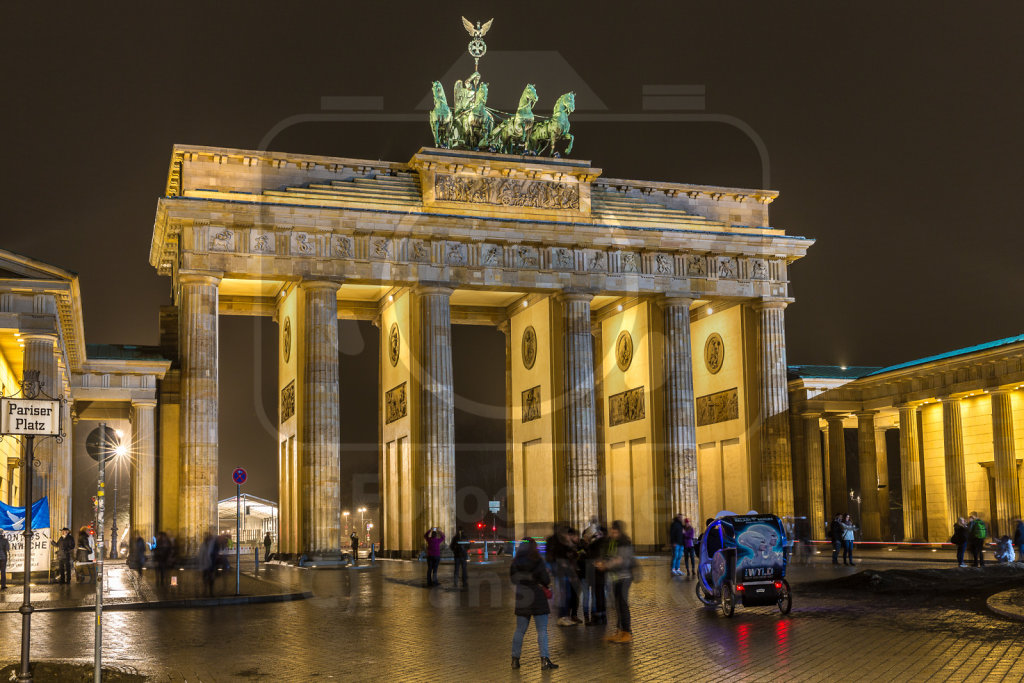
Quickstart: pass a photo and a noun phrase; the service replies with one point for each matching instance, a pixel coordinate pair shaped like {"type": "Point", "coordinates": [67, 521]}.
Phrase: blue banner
{"type": "Point", "coordinates": [13, 519]}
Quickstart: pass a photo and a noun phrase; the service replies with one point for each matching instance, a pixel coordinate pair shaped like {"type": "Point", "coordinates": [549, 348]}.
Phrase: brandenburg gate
{"type": "Point", "coordinates": [645, 344]}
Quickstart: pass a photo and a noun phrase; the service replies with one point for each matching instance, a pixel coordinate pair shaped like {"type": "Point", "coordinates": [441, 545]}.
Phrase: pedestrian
{"type": "Point", "coordinates": [675, 537]}
{"type": "Point", "coordinates": [977, 532]}
{"type": "Point", "coordinates": [84, 555]}
{"type": "Point", "coordinates": [435, 539]}
{"type": "Point", "coordinates": [1004, 550]}
{"type": "Point", "coordinates": [1018, 537]}
{"type": "Point", "coordinates": [835, 534]}
{"type": "Point", "coordinates": [5, 550]}
{"type": "Point", "coordinates": [354, 540]}
{"type": "Point", "coordinates": [267, 543]}
{"type": "Point", "coordinates": [959, 540]}
{"type": "Point", "coordinates": [563, 554]}
{"type": "Point", "coordinates": [460, 552]}
{"type": "Point", "coordinates": [162, 556]}
{"type": "Point", "coordinates": [848, 533]}
{"type": "Point", "coordinates": [65, 546]}
{"type": "Point", "coordinates": [593, 583]}
{"type": "Point", "coordinates": [532, 583]}
{"type": "Point", "coordinates": [619, 562]}
{"type": "Point", "coordinates": [689, 555]}
{"type": "Point", "coordinates": [138, 555]}
{"type": "Point", "coordinates": [209, 558]}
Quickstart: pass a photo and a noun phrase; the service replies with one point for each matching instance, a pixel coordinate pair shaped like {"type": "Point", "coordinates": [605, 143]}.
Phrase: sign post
{"type": "Point", "coordinates": [98, 555]}
{"type": "Point", "coordinates": [29, 417]}
{"type": "Point", "coordinates": [238, 476]}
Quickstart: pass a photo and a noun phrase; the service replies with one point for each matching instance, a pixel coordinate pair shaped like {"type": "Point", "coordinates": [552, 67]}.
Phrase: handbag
{"type": "Point", "coordinates": [547, 592]}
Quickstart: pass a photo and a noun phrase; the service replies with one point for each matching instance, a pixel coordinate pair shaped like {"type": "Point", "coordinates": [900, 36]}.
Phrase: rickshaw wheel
{"type": "Point", "coordinates": [728, 599]}
{"type": "Point", "coordinates": [706, 598]}
{"type": "Point", "coordinates": [785, 598]}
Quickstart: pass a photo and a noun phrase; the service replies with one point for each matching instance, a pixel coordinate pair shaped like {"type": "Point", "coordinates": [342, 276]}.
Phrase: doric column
{"type": "Point", "coordinates": [319, 430]}
{"type": "Point", "coordinates": [1007, 486]}
{"type": "Point", "coordinates": [680, 419]}
{"type": "Point", "coordinates": [798, 459]}
{"type": "Point", "coordinates": [41, 354]}
{"type": "Point", "coordinates": [867, 463]}
{"type": "Point", "coordinates": [580, 440]}
{"type": "Point", "coordinates": [910, 473]}
{"type": "Point", "coordinates": [143, 469]}
{"type": "Point", "coordinates": [198, 338]}
{"type": "Point", "coordinates": [956, 472]}
{"type": "Point", "coordinates": [838, 503]}
{"type": "Point", "coordinates": [815, 476]}
{"type": "Point", "coordinates": [437, 409]}
{"type": "Point", "coordinates": [505, 327]}
{"type": "Point", "coordinates": [776, 468]}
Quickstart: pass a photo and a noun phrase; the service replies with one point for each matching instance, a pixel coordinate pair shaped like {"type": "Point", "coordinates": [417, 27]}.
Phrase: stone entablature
{"type": "Point", "coordinates": [391, 225]}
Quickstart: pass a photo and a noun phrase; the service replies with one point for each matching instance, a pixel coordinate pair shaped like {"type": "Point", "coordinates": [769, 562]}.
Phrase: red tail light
{"type": "Point", "coordinates": [778, 585]}
{"type": "Point", "coordinates": [740, 588]}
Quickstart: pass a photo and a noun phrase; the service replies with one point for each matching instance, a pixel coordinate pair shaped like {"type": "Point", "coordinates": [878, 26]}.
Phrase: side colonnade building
{"type": "Point", "coordinates": [644, 323]}
{"type": "Point", "coordinates": [937, 438]}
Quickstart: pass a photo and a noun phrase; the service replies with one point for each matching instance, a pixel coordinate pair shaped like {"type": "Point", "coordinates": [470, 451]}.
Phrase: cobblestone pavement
{"type": "Point", "coordinates": [380, 623]}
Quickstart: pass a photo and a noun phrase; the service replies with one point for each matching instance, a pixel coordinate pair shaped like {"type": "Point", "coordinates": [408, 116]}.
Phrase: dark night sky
{"type": "Point", "coordinates": [893, 132]}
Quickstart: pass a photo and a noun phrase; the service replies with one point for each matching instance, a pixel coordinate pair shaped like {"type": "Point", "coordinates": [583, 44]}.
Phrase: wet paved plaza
{"type": "Point", "coordinates": [380, 623]}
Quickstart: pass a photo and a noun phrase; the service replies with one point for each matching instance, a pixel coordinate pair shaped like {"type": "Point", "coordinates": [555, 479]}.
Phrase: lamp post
{"type": "Point", "coordinates": [362, 521]}
{"type": "Point", "coordinates": [856, 499]}
{"type": "Point", "coordinates": [345, 514]}
{"type": "Point", "coordinates": [368, 527]}
{"type": "Point", "coordinates": [118, 450]}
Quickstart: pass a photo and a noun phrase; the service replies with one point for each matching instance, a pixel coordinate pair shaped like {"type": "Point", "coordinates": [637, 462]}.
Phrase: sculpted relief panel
{"type": "Point", "coordinates": [537, 194]}
{"type": "Point", "coordinates": [395, 404]}
{"type": "Point", "coordinates": [531, 404]}
{"type": "Point", "coordinates": [719, 407]}
{"type": "Point", "coordinates": [627, 406]}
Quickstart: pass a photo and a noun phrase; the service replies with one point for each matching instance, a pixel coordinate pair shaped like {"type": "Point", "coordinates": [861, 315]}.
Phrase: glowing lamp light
{"type": "Point", "coordinates": [120, 450]}
{"type": "Point", "coordinates": [710, 310]}
{"type": "Point", "coordinates": [619, 308]}
{"type": "Point", "coordinates": [391, 297]}
{"type": "Point", "coordinates": [525, 304]}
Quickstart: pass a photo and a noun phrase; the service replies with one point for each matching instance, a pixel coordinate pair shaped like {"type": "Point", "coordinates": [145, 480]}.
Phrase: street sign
{"type": "Point", "coordinates": [29, 417]}
{"type": "Point", "coordinates": [494, 506]}
{"type": "Point", "coordinates": [238, 476]}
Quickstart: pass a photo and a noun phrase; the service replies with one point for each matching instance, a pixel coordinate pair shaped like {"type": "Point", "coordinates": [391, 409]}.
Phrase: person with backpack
{"type": "Point", "coordinates": [835, 534]}
{"type": "Point", "coordinates": [1018, 537]}
{"type": "Point", "coordinates": [689, 556]}
{"type": "Point", "coordinates": [959, 539]}
{"type": "Point", "coordinates": [977, 533]}
{"type": "Point", "coordinates": [675, 537]}
{"type": "Point", "coordinates": [620, 562]}
{"type": "Point", "coordinates": [461, 555]}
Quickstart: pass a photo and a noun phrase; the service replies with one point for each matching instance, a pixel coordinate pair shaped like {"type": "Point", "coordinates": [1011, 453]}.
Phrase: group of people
{"type": "Point", "coordinates": [681, 535]}
{"type": "Point", "coordinates": [575, 569]}
{"type": "Point", "coordinates": [972, 534]}
{"type": "Point", "coordinates": [841, 531]}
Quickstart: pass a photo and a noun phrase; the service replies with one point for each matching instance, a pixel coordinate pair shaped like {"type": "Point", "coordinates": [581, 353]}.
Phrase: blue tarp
{"type": "Point", "coordinates": [13, 519]}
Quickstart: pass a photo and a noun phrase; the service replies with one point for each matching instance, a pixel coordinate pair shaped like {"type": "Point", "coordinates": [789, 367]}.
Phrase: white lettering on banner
{"type": "Point", "coordinates": [29, 416]}
{"type": "Point", "coordinates": [40, 550]}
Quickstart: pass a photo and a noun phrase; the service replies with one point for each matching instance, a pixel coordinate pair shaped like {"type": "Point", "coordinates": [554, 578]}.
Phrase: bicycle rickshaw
{"type": "Point", "coordinates": [744, 557]}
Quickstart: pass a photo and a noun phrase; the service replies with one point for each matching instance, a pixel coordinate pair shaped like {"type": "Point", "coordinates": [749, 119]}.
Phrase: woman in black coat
{"type": "Point", "coordinates": [531, 580]}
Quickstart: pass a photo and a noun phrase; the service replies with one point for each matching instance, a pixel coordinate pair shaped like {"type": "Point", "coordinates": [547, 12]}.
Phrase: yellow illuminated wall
{"type": "Point", "coordinates": [10, 447]}
{"type": "Point", "coordinates": [397, 464]}
{"type": "Point", "coordinates": [933, 457]}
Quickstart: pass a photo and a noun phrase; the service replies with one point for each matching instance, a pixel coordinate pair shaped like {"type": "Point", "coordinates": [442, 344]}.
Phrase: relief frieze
{"type": "Point", "coordinates": [627, 406]}
{"type": "Point", "coordinates": [718, 407]}
{"type": "Point", "coordinates": [395, 405]}
{"type": "Point", "coordinates": [288, 401]}
{"type": "Point", "coordinates": [537, 194]}
{"type": "Point", "coordinates": [531, 404]}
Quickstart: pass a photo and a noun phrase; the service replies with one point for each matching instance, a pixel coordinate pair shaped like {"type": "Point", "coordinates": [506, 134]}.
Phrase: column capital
{"type": "Point", "coordinates": [575, 295]}
{"type": "Point", "coordinates": [1001, 390]}
{"type": "Point", "coordinates": [771, 304]}
{"type": "Point", "coordinates": [905, 406]}
{"type": "Point", "coordinates": [677, 300]}
{"type": "Point", "coordinates": [39, 336]}
{"type": "Point", "coordinates": [144, 403]}
{"type": "Point", "coordinates": [866, 414]}
{"type": "Point", "coordinates": [198, 279]}
{"type": "Point", "coordinates": [434, 288]}
{"type": "Point", "coordinates": [834, 417]}
{"type": "Point", "coordinates": [320, 284]}
{"type": "Point", "coordinates": [811, 415]}
{"type": "Point", "coordinates": [505, 327]}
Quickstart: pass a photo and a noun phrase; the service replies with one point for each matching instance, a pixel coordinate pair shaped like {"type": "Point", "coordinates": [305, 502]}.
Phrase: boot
{"type": "Point", "coordinates": [546, 663]}
{"type": "Point", "coordinates": [515, 662]}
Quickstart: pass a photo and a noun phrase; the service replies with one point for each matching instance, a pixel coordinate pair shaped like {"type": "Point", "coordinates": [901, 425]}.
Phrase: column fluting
{"type": "Point", "coordinates": [776, 466]}
{"type": "Point", "coordinates": [910, 473]}
{"type": "Point", "coordinates": [953, 450]}
{"type": "Point", "coordinates": [580, 441]}
{"type": "Point", "coordinates": [867, 462]}
{"type": "Point", "coordinates": [1006, 480]}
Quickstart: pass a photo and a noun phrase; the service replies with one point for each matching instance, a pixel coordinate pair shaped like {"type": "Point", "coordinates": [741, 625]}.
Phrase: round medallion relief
{"type": "Point", "coordinates": [394, 342]}
{"type": "Point", "coordinates": [529, 347]}
{"type": "Point", "coordinates": [714, 353]}
{"type": "Point", "coordinates": [624, 351]}
{"type": "Point", "coordinates": [286, 340]}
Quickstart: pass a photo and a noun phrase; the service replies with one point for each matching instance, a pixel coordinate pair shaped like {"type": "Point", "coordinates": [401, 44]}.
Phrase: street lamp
{"type": "Point", "coordinates": [369, 526]}
{"type": "Point", "coordinates": [118, 450]}
{"type": "Point", "coordinates": [345, 514]}
{"type": "Point", "coordinates": [362, 521]}
{"type": "Point", "coordinates": [856, 499]}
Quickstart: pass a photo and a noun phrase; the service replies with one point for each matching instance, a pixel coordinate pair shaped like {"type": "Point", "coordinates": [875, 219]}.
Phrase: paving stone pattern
{"type": "Point", "coordinates": [380, 623]}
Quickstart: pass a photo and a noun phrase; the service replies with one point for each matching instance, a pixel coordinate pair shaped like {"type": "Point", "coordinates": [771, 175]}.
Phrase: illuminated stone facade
{"type": "Point", "coordinates": [608, 292]}
{"type": "Point", "coordinates": [960, 418]}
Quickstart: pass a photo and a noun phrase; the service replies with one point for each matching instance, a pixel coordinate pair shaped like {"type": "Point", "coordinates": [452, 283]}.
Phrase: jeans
{"type": "Point", "coordinates": [835, 552]}
{"type": "Point", "coordinates": [593, 593]}
{"type": "Point", "coordinates": [677, 555]}
{"type": "Point", "coordinates": [432, 564]}
{"type": "Point", "coordinates": [3, 572]}
{"type": "Point", "coordinates": [690, 559]}
{"type": "Point", "coordinates": [64, 570]}
{"type": "Point", "coordinates": [961, 548]}
{"type": "Point", "coordinates": [620, 589]}
{"type": "Point", "coordinates": [847, 552]}
{"type": "Point", "coordinates": [978, 551]}
{"type": "Point", "coordinates": [461, 563]}
{"type": "Point", "coordinates": [523, 623]}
